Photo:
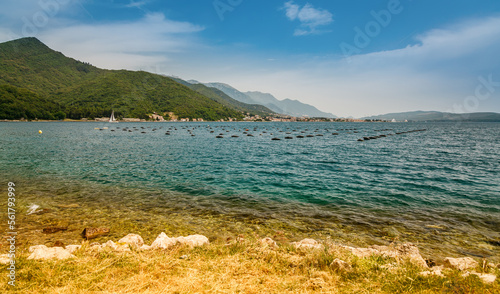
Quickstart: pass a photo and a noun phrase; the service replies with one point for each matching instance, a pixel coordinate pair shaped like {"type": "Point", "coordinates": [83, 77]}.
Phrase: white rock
{"type": "Point", "coordinates": [193, 240]}
{"type": "Point", "coordinates": [364, 252]}
{"type": "Point", "coordinates": [50, 253]}
{"type": "Point", "coordinates": [33, 248]}
{"type": "Point", "coordinates": [109, 244]}
{"type": "Point", "coordinates": [268, 242]}
{"type": "Point", "coordinates": [486, 278]}
{"type": "Point", "coordinates": [400, 252]}
{"type": "Point", "coordinates": [145, 247]}
{"type": "Point", "coordinates": [435, 271]}
{"type": "Point", "coordinates": [361, 252]}
{"type": "Point", "coordinates": [403, 251]}
{"type": "Point", "coordinates": [308, 244]}
{"type": "Point", "coordinates": [462, 263]}
{"type": "Point", "coordinates": [134, 240]}
{"type": "Point", "coordinates": [4, 259]}
{"type": "Point", "coordinates": [340, 265]}
{"type": "Point", "coordinates": [121, 247]}
{"type": "Point", "coordinates": [96, 246]}
{"type": "Point", "coordinates": [73, 248]}
{"type": "Point", "coordinates": [163, 242]}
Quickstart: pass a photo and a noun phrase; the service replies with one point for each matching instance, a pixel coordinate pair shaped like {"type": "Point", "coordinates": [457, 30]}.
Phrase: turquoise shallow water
{"type": "Point", "coordinates": [440, 187]}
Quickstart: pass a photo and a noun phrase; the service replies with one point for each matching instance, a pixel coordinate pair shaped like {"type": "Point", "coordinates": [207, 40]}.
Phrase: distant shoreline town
{"type": "Point", "coordinates": [159, 118]}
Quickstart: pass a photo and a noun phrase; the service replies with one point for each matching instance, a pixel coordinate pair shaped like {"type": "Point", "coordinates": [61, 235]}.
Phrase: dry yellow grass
{"type": "Point", "coordinates": [238, 267]}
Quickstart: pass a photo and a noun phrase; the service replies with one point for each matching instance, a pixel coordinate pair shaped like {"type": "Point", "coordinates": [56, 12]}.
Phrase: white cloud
{"type": "Point", "coordinates": [465, 47]}
{"type": "Point", "coordinates": [310, 18]}
{"type": "Point", "coordinates": [438, 73]}
{"type": "Point", "coordinates": [147, 42]}
{"type": "Point", "coordinates": [292, 10]}
{"type": "Point", "coordinates": [134, 4]}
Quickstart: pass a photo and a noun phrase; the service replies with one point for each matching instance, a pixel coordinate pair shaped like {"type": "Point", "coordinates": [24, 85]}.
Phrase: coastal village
{"type": "Point", "coordinates": [171, 117]}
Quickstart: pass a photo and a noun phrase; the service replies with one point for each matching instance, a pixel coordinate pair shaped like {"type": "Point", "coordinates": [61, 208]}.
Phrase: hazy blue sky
{"type": "Point", "coordinates": [349, 57]}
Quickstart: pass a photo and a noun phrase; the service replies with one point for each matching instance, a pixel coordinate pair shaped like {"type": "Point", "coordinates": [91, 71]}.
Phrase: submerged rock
{"type": "Point", "coordinates": [75, 205]}
{"type": "Point", "coordinates": [52, 230]}
{"type": "Point", "coordinates": [462, 263]}
{"type": "Point", "coordinates": [91, 233]}
{"type": "Point", "coordinates": [44, 252]}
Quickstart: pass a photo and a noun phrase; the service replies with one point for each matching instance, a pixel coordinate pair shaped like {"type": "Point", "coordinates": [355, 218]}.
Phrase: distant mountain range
{"type": "Point", "coordinates": [223, 98]}
{"type": "Point", "coordinates": [287, 106]}
{"type": "Point", "coordinates": [38, 82]}
{"type": "Point", "coordinates": [438, 116]}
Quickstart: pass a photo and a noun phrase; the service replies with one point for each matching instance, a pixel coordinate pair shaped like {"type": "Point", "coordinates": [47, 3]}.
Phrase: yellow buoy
{"type": "Point", "coordinates": [39, 131]}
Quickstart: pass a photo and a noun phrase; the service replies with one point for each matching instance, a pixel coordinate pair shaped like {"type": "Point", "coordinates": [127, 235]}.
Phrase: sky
{"type": "Point", "coordinates": [347, 57]}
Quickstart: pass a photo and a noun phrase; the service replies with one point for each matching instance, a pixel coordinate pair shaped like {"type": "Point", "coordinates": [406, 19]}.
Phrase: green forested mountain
{"type": "Point", "coordinates": [17, 102]}
{"type": "Point", "coordinates": [37, 82]}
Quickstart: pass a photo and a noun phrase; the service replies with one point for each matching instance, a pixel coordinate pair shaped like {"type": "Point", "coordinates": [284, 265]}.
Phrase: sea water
{"type": "Point", "coordinates": [438, 188]}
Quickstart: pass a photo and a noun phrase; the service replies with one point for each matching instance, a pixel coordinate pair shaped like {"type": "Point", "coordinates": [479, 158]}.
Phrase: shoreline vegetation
{"type": "Point", "coordinates": [246, 262]}
{"type": "Point", "coordinates": [101, 260]}
{"type": "Point", "coordinates": [243, 264]}
{"type": "Point", "coordinates": [162, 120]}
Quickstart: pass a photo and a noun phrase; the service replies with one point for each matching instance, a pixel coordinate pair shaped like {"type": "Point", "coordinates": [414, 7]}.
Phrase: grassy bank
{"type": "Point", "coordinates": [235, 266]}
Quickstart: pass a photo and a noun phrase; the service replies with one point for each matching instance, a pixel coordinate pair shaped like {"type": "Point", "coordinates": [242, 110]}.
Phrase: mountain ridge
{"type": "Point", "coordinates": [224, 99]}
{"type": "Point", "coordinates": [31, 72]}
{"type": "Point", "coordinates": [421, 115]}
{"type": "Point", "coordinates": [286, 106]}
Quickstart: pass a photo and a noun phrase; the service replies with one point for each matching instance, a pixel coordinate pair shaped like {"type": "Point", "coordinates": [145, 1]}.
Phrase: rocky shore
{"type": "Point", "coordinates": [398, 253]}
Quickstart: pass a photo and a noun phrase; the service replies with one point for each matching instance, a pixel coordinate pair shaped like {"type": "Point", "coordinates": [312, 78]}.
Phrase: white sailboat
{"type": "Point", "coordinates": [112, 119]}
